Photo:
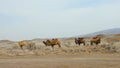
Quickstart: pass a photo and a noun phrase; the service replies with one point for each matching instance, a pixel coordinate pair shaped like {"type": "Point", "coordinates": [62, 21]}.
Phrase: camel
{"type": "Point", "coordinates": [52, 42]}
{"type": "Point", "coordinates": [22, 43]}
{"type": "Point", "coordinates": [95, 40]}
{"type": "Point", "coordinates": [29, 44]}
{"type": "Point", "coordinates": [80, 41]}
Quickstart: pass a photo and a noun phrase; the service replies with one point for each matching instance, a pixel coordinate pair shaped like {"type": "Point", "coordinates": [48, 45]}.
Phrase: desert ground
{"type": "Point", "coordinates": [104, 55]}
{"type": "Point", "coordinates": [76, 61]}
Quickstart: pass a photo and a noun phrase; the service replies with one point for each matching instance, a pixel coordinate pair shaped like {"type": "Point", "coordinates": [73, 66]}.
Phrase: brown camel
{"type": "Point", "coordinates": [29, 44]}
{"type": "Point", "coordinates": [22, 43]}
{"type": "Point", "coordinates": [80, 41]}
{"type": "Point", "coordinates": [96, 40]}
{"type": "Point", "coordinates": [52, 42]}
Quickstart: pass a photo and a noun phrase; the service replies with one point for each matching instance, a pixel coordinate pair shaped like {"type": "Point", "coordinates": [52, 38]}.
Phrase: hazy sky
{"type": "Point", "coordinates": [29, 19]}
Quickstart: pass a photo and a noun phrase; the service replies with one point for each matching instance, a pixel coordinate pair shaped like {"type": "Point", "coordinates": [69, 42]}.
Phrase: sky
{"type": "Point", "coordinates": [30, 19]}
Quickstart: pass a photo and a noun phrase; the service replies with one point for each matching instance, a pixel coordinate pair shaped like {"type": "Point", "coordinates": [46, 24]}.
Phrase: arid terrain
{"type": "Point", "coordinates": [70, 55]}
{"type": "Point", "coordinates": [74, 61]}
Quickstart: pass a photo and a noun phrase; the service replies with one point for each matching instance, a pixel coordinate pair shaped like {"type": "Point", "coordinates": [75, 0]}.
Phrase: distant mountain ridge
{"type": "Point", "coordinates": [107, 31]}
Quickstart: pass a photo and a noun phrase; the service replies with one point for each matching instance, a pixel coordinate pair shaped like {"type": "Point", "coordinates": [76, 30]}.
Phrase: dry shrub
{"type": "Point", "coordinates": [66, 49]}
{"type": "Point", "coordinates": [31, 46]}
{"type": "Point", "coordinates": [114, 39]}
{"type": "Point", "coordinates": [15, 47]}
{"type": "Point", "coordinates": [117, 47]}
{"type": "Point", "coordinates": [107, 48]}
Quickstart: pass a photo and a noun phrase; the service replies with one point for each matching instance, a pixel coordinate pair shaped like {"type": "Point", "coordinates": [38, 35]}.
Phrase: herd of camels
{"type": "Point", "coordinates": [52, 42]}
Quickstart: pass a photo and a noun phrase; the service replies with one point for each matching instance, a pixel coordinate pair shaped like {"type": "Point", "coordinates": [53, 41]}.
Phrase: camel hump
{"type": "Point", "coordinates": [96, 37]}
{"type": "Point", "coordinates": [22, 42]}
{"type": "Point", "coordinates": [48, 40]}
{"type": "Point", "coordinates": [81, 38]}
{"type": "Point", "coordinates": [54, 39]}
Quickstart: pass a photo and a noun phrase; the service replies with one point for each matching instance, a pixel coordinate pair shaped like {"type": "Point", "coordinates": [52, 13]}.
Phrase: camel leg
{"type": "Point", "coordinates": [79, 44]}
{"type": "Point", "coordinates": [52, 46]}
{"type": "Point", "coordinates": [84, 44]}
{"type": "Point", "coordinates": [97, 43]}
{"type": "Point", "coordinates": [91, 43]}
{"type": "Point", "coordinates": [21, 47]}
{"type": "Point", "coordinates": [59, 45]}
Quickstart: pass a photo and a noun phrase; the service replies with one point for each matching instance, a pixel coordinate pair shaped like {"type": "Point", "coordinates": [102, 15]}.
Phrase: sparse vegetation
{"type": "Point", "coordinates": [68, 46]}
{"type": "Point", "coordinates": [69, 52]}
